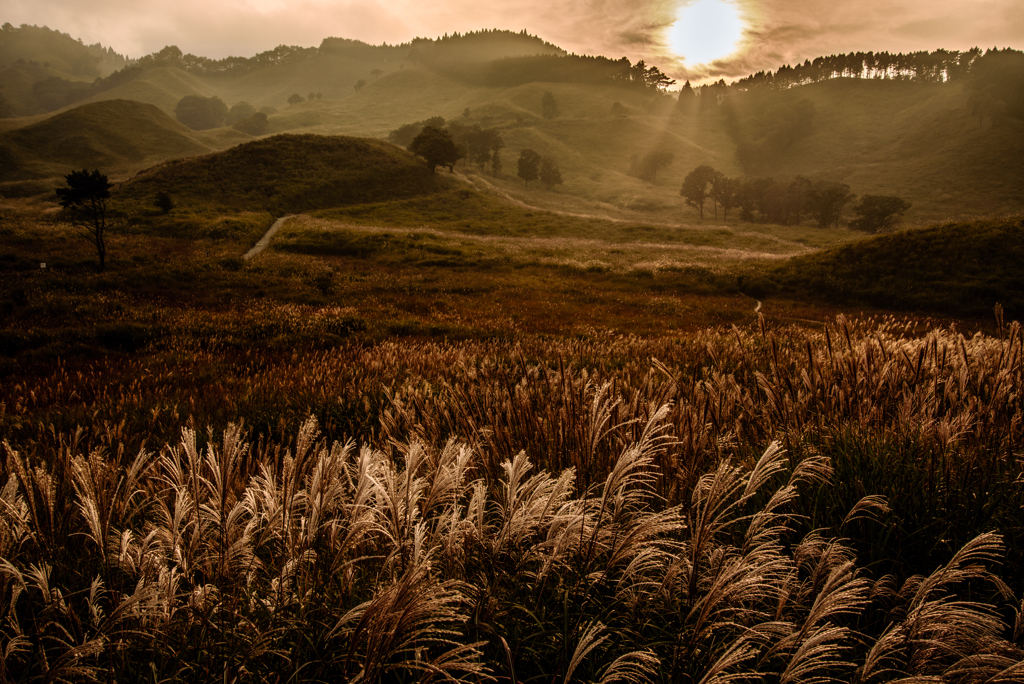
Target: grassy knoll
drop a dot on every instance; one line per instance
(288, 173)
(960, 269)
(112, 135)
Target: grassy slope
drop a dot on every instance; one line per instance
(400, 96)
(917, 141)
(115, 134)
(333, 76)
(161, 86)
(289, 173)
(961, 269)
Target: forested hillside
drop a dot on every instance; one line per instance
(42, 70)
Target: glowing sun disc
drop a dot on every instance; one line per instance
(705, 31)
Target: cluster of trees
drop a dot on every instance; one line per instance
(444, 144)
(436, 146)
(532, 166)
(481, 146)
(478, 46)
(932, 67)
(42, 46)
(513, 71)
(229, 66)
(995, 77)
(255, 124)
(295, 98)
(203, 113)
(771, 201)
(478, 145)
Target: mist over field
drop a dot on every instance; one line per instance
(488, 358)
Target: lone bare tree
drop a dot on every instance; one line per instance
(85, 204)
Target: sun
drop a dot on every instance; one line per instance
(705, 31)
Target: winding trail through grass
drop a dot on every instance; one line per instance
(265, 240)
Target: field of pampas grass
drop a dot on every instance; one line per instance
(768, 504)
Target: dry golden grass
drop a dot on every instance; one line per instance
(510, 507)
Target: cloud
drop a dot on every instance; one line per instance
(777, 31)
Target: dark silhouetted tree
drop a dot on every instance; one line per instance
(878, 213)
(201, 113)
(697, 186)
(550, 175)
(84, 202)
(529, 166)
(826, 200)
(687, 97)
(360, 84)
(548, 106)
(295, 98)
(436, 146)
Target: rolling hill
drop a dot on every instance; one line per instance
(288, 174)
(959, 269)
(119, 134)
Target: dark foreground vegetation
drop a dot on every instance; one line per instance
(841, 504)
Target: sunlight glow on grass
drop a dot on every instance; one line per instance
(705, 31)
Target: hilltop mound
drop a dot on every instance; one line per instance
(114, 133)
(960, 269)
(290, 173)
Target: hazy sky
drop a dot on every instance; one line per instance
(762, 34)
